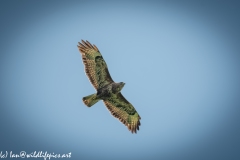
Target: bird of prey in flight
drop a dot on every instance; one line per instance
(107, 90)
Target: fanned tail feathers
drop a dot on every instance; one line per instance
(90, 100)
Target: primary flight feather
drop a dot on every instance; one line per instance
(107, 90)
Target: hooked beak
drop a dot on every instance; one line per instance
(122, 84)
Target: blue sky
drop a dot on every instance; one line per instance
(179, 60)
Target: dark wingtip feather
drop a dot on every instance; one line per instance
(85, 45)
(95, 47)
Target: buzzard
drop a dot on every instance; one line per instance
(107, 90)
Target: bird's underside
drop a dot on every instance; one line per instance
(107, 90)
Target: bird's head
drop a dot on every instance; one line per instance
(118, 87)
(121, 85)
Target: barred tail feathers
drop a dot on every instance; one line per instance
(90, 100)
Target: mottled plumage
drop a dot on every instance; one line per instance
(107, 90)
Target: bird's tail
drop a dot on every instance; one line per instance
(90, 100)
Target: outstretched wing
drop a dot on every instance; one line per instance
(95, 66)
(123, 110)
